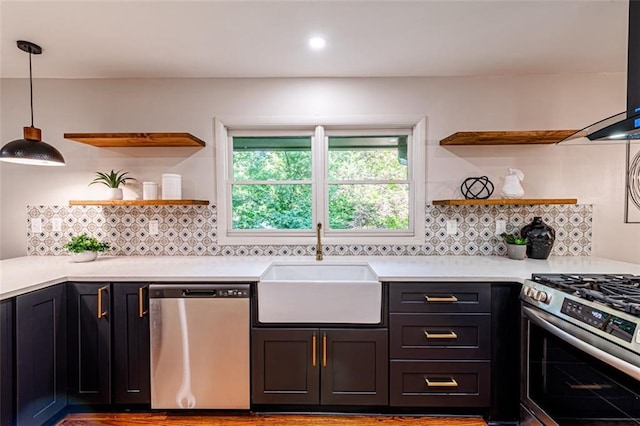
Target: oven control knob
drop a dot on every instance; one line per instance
(533, 293)
(543, 297)
(527, 291)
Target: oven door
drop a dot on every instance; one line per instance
(572, 377)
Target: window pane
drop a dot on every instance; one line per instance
(368, 158)
(363, 206)
(271, 206)
(271, 158)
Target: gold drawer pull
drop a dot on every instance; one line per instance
(324, 349)
(141, 311)
(449, 299)
(101, 313)
(594, 386)
(314, 350)
(449, 335)
(438, 383)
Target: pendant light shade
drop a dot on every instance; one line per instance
(31, 150)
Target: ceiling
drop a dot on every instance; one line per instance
(268, 38)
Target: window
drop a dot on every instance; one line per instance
(362, 183)
(368, 182)
(271, 183)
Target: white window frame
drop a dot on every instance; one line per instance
(321, 128)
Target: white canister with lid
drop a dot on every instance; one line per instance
(171, 186)
(149, 190)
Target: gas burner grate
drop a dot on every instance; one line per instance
(620, 291)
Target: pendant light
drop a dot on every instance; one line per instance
(31, 150)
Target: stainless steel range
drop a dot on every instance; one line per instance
(580, 349)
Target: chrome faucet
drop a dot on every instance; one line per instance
(319, 243)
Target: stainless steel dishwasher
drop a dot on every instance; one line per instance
(199, 346)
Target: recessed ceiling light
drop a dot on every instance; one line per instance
(317, 42)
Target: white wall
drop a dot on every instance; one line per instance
(593, 174)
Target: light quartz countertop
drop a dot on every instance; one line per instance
(24, 274)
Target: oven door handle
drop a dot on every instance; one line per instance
(538, 319)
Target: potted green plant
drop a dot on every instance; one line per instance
(516, 245)
(84, 248)
(112, 180)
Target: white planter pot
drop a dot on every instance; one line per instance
(84, 256)
(516, 251)
(114, 193)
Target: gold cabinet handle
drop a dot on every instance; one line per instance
(449, 335)
(594, 386)
(439, 383)
(141, 311)
(324, 349)
(438, 299)
(101, 313)
(314, 350)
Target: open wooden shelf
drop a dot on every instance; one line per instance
(505, 201)
(105, 140)
(138, 203)
(507, 138)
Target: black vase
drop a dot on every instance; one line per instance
(541, 237)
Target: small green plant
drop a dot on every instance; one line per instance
(83, 242)
(112, 179)
(514, 239)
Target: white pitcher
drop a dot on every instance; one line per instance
(512, 187)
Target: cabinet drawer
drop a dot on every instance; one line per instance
(428, 336)
(440, 384)
(440, 297)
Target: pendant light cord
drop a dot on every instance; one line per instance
(31, 89)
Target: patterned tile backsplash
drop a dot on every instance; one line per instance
(192, 231)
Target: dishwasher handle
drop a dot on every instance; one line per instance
(204, 291)
(189, 292)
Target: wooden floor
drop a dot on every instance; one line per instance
(157, 419)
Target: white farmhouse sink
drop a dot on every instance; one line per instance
(338, 293)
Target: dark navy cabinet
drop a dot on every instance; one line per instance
(7, 362)
(131, 367)
(312, 366)
(90, 317)
(108, 344)
(41, 355)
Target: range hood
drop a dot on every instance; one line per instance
(626, 125)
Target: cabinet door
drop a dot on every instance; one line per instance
(131, 368)
(285, 366)
(89, 343)
(41, 355)
(354, 366)
(7, 367)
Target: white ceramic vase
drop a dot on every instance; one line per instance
(512, 187)
(84, 256)
(114, 193)
(516, 251)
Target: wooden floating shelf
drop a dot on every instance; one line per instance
(138, 203)
(507, 138)
(505, 201)
(105, 140)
